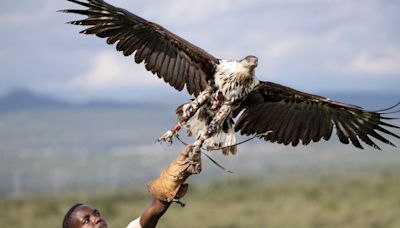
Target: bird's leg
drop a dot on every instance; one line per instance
(215, 124)
(219, 118)
(167, 136)
(192, 107)
(188, 111)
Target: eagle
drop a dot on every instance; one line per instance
(228, 90)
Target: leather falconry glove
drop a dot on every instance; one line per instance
(171, 184)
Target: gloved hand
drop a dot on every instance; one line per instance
(171, 182)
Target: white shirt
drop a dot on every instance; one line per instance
(135, 224)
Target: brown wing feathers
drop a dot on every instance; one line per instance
(168, 56)
(293, 116)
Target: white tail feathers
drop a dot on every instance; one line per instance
(197, 125)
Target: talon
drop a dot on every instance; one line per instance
(194, 160)
(167, 136)
(187, 114)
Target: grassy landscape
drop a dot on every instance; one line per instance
(341, 201)
(52, 159)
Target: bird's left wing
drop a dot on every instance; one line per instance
(291, 116)
(169, 56)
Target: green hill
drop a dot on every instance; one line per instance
(341, 201)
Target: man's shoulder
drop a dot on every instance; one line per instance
(135, 224)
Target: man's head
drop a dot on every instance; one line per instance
(83, 216)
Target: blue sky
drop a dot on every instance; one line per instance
(317, 46)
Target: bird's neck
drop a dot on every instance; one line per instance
(234, 80)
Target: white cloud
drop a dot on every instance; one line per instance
(41, 11)
(375, 62)
(369, 63)
(182, 12)
(11, 19)
(109, 71)
(296, 41)
(286, 47)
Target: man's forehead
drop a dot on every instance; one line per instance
(82, 211)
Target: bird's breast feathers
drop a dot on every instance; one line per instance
(234, 80)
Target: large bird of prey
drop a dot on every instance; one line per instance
(225, 89)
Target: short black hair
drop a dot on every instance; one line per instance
(67, 217)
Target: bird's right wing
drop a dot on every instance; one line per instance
(169, 56)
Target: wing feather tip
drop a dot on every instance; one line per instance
(378, 148)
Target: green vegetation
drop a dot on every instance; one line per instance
(66, 153)
(361, 201)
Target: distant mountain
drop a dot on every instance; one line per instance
(117, 104)
(20, 99)
(25, 99)
(368, 101)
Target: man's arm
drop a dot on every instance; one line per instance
(170, 185)
(153, 213)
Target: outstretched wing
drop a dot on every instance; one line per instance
(292, 116)
(169, 56)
